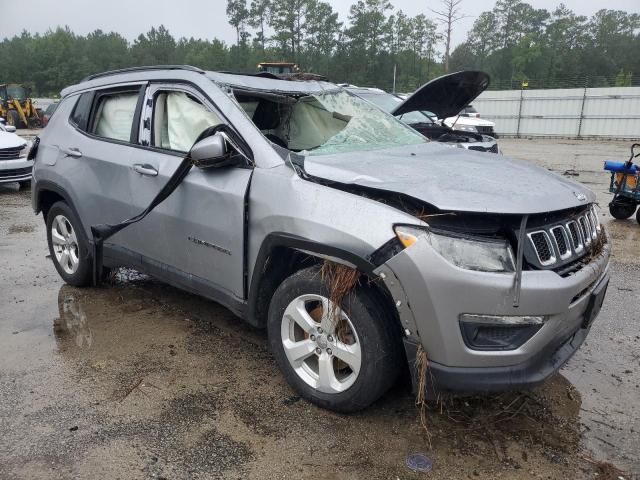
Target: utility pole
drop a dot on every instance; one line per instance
(395, 67)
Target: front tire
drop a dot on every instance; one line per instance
(25, 184)
(68, 245)
(344, 364)
(13, 119)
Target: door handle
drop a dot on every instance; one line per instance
(145, 169)
(71, 152)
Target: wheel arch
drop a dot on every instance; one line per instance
(46, 193)
(282, 254)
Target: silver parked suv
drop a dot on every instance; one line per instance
(493, 267)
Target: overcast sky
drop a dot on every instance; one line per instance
(207, 18)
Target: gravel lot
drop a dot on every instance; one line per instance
(138, 380)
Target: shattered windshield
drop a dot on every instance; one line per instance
(335, 121)
(344, 123)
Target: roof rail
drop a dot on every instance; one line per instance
(143, 69)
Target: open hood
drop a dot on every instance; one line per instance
(446, 96)
(454, 179)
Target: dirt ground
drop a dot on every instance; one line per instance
(138, 380)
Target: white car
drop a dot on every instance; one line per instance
(439, 98)
(468, 120)
(14, 164)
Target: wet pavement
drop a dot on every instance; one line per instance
(136, 379)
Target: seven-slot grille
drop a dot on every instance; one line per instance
(565, 242)
(11, 153)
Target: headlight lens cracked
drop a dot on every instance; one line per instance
(484, 255)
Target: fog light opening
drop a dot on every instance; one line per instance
(498, 332)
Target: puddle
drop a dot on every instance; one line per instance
(72, 323)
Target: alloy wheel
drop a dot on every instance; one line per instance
(65, 244)
(321, 343)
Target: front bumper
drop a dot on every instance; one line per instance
(16, 170)
(528, 374)
(431, 294)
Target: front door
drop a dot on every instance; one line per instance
(197, 233)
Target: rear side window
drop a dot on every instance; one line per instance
(80, 115)
(114, 114)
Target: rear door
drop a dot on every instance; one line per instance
(197, 234)
(98, 157)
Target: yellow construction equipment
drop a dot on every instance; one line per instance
(16, 106)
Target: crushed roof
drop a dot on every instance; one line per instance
(247, 82)
(258, 83)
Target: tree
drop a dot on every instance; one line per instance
(506, 15)
(209, 55)
(399, 32)
(482, 37)
(288, 20)
(565, 38)
(259, 18)
(238, 18)
(322, 29)
(513, 41)
(424, 38)
(156, 47)
(105, 51)
(448, 15)
(368, 30)
(623, 79)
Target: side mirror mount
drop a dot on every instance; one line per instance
(212, 152)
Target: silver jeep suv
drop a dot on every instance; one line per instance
(243, 188)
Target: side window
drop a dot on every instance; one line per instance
(80, 114)
(178, 120)
(114, 114)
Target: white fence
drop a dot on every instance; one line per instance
(572, 112)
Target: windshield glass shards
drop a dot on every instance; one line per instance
(326, 123)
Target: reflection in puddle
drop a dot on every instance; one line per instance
(72, 323)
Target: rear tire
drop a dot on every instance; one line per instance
(638, 216)
(25, 184)
(367, 339)
(622, 211)
(68, 246)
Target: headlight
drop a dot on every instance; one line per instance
(24, 152)
(465, 128)
(485, 255)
